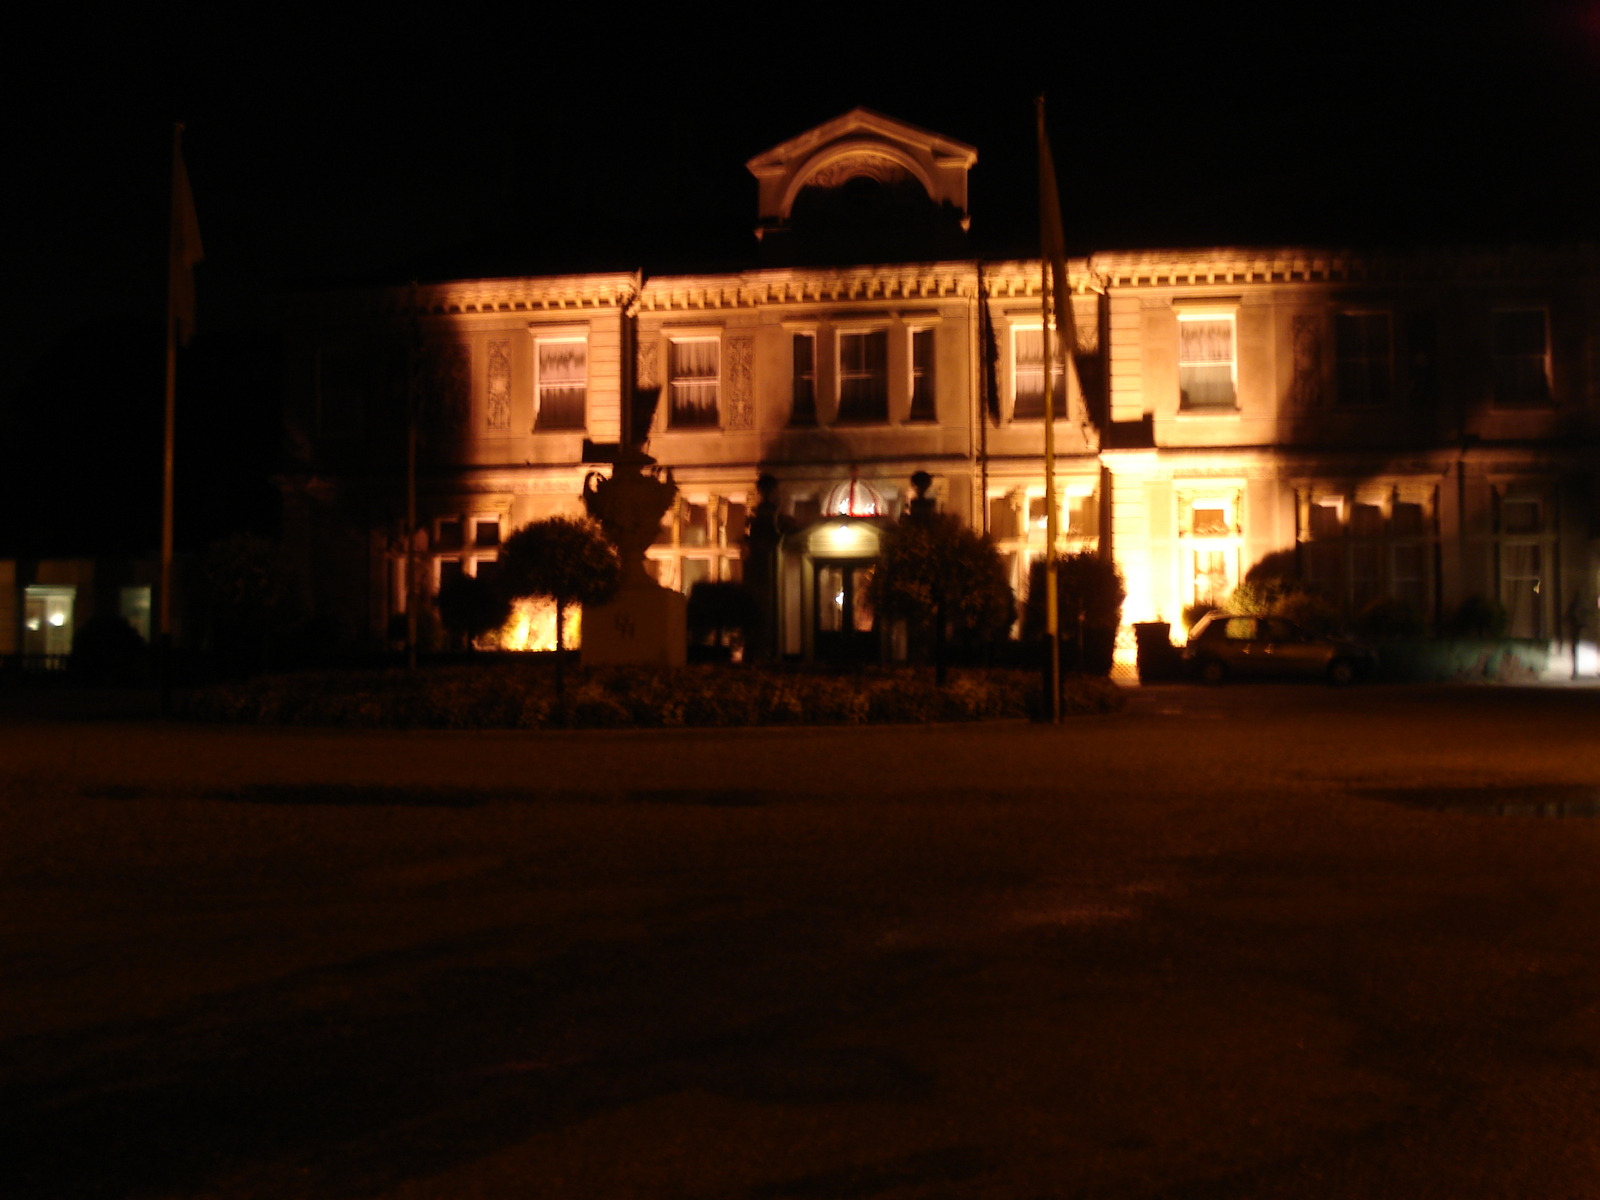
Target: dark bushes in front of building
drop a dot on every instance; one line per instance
(523, 696)
(1089, 596)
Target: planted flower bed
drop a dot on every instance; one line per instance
(522, 696)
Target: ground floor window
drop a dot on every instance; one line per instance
(47, 621)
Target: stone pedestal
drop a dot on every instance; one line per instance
(643, 624)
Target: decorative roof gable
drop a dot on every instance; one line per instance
(861, 143)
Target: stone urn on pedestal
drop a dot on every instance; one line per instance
(644, 622)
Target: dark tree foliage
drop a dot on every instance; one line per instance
(719, 608)
(1089, 596)
(941, 577)
(1088, 588)
(564, 558)
(253, 600)
(470, 607)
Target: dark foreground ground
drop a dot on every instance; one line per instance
(1219, 945)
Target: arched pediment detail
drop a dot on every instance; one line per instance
(856, 159)
(862, 144)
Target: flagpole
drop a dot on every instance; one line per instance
(1052, 617)
(170, 420)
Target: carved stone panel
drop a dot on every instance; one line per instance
(1307, 387)
(647, 371)
(740, 390)
(497, 412)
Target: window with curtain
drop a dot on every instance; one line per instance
(803, 404)
(563, 385)
(1362, 358)
(1206, 368)
(923, 407)
(1027, 377)
(694, 370)
(1521, 357)
(864, 376)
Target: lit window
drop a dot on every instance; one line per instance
(694, 384)
(1207, 374)
(1362, 353)
(563, 384)
(1027, 376)
(1211, 520)
(864, 376)
(803, 408)
(1521, 357)
(923, 407)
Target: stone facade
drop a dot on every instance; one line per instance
(1413, 427)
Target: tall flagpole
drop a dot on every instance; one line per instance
(1052, 617)
(174, 267)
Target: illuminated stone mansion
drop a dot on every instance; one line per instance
(1415, 426)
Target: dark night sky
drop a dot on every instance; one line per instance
(364, 148)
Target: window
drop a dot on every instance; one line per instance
(1207, 374)
(701, 537)
(1521, 357)
(864, 376)
(448, 533)
(1027, 376)
(694, 384)
(133, 603)
(563, 384)
(486, 531)
(1362, 357)
(47, 621)
(923, 406)
(1527, 548)
(1211, 520)
(803, 399)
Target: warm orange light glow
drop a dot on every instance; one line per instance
(533, 626)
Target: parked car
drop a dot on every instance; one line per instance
(1226, 646)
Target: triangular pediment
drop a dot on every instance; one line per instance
(862, 143)
(873, 125)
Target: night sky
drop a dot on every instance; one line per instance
(370, 149)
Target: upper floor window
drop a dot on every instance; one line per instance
(1521, 357)
(695, 383)
(864, 375)
(1027, 376)
(1362, 357)
(923, 404)
(803, 401)
(562, 383)
(1207, 369)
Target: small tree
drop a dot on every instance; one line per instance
(566, 559)
(937, 574)
(470, 607)
(253, 599)
(1089, 596)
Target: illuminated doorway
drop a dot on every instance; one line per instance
(846, 621)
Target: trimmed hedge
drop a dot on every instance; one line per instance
(522, 696)
(1463, 660)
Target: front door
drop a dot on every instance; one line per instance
(846, 624)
